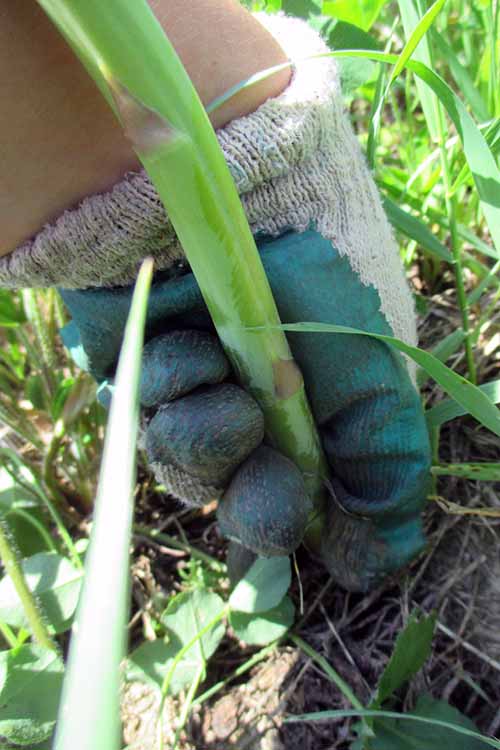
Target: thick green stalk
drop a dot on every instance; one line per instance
(139, 73)
(13, 569)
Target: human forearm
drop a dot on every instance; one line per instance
(60, 142)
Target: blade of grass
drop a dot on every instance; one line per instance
(473, 399)
(482, 163)
(416, 230)
(492, 137)
(328, 715)
(411, 12)
(484, 472)
(452, 211)
(442, 351)
(16, 467)
(448, 409)
(89, 710)
(436, 216)
(415, 37)
(328, 670)
(464, 82)
(490, 279)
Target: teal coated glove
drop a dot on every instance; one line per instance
(204, 433)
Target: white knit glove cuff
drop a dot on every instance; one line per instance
(296, 164)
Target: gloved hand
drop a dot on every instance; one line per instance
(330, 257)
(205, 434)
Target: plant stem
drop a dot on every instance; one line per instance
(328, 670)
(119, 41)
(171, 541)
(8, 634)
(13, 569)
(451, 207)
(255, 659)
(188, 703)
(36, 488)
(183, 651)
(175, 663)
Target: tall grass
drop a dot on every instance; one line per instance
(435, 157)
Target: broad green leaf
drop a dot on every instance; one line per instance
(485, 472)
(470, 397)
(151, 661)
(415, 229)
(20, 508)
(29, 531)
(259, 630)
(454, 731)
(56, 584)
(362, 13)
(30, 685)
(186, 615)
(394, 734)
(263, 586)
(416, 36)
(448, 409)
(411, 651)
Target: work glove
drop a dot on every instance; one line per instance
(204, 434)
(330, 257)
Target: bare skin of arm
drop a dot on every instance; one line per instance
(59, 141)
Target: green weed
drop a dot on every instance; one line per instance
(427, 111)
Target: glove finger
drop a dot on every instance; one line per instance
(206, 434)
(266, 507)
(177, 362)
(359, 552)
